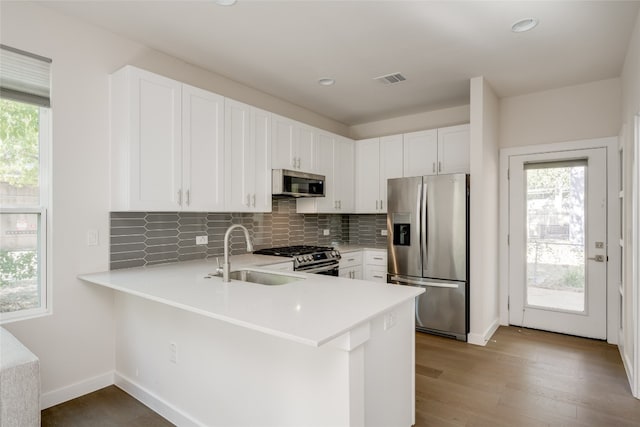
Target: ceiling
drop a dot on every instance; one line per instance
(284, 47)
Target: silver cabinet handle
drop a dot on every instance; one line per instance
(248, 204)
(439, 166)
(188, 197)
(377, 277)
(299, 162)
(377, 257)
(180, 197)
(381, 205)
(434, 167)
(339, 204)
(254, 200)
(376, 205)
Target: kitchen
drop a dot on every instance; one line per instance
(81, 132)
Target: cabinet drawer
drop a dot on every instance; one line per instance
(376, 258)
(375, 274)
(350, 259)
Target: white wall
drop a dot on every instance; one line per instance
(483, 275)
(630, 339)
(411, 123)
(76, 343)
(572, 113)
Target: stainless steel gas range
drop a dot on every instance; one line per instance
(308, 259)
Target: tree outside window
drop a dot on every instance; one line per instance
(21, 207)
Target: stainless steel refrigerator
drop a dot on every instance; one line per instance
(428, 242)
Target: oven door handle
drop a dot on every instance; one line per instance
(326, 267)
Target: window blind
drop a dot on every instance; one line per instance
(24, 77)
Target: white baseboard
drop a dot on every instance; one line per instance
(156, 403)
(63, 394)
(628, 367)
(483, 339)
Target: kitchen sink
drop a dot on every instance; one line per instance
(262, 277)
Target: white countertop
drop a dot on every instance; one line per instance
(311, 311)
(353, 248)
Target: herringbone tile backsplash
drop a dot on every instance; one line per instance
(147, 238)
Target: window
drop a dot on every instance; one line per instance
(24, 184)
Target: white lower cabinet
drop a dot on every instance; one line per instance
(351, 265)
(375, 266)
(248, 158)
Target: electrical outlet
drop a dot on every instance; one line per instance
(202, 240)
(173, 352)
(389, 321)
(326, 232)
(384, 233)
(92, 237)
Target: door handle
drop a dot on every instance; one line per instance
(597, 258)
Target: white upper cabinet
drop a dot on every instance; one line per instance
(294, 145)
(203, 156)
(377, 159)
(437, 151)
(166, 138)
(390, 164)
(248, 158)
(453, 149)
(420, 151)
(344, 175)
(335, 160)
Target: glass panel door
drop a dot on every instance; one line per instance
(555, 235)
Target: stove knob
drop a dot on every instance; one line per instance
(308, 257)
(300, 259)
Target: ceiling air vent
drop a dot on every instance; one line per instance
(391, 78)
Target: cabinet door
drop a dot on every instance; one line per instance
(453, 149)
(305, 150)
(390, 165)
(248, 158)
(261, 136)
(420, 151)
(239, 156)
(155, 167)
(285, 136)
(344, 176)
(324, 166)
(368, 175)
(203, 150)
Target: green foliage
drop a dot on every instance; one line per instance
(573, 277)
(16, 266)
(19, 143)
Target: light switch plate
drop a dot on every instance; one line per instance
(384, 233)
(202, 240)
(325, 232)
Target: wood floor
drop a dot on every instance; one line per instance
(521, 378)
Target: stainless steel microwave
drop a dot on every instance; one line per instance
(288, 183)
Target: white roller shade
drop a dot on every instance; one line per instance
(24, 77)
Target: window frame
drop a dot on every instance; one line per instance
(44, 235)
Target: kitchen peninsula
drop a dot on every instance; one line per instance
(318, 351)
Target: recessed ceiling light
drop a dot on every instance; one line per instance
(326, 81)
(225, 2)
(524, 25)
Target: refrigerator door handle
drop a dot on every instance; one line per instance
(423, 283)
(424, 229)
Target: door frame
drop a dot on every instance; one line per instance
(613, 265)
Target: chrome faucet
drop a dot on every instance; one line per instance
(226, 267)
